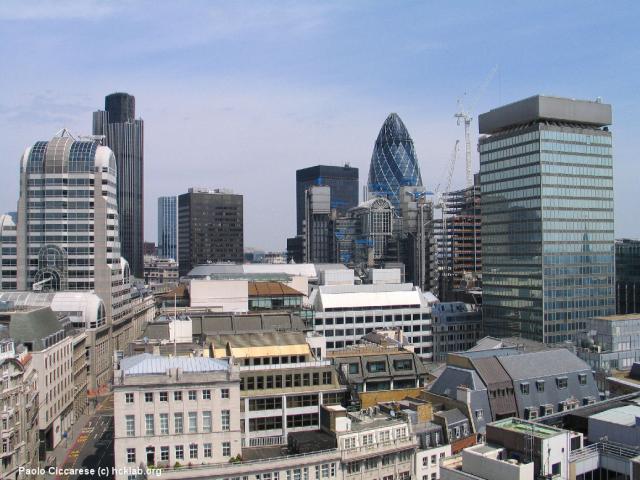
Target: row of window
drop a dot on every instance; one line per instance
(286, 381)
(192, 395)
(179, 452)
(372, 318)
(206, 425)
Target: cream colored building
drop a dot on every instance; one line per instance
(175, 412)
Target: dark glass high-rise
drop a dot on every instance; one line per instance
(124, 134)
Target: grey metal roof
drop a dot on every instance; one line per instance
(147, 364)
(452, 416)
(542, 364)
(32, 326)
(452, 377)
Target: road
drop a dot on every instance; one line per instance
(94, 446)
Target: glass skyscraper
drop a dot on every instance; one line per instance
(394, 163)
(168, 227)
(547, 217)
(124, 134)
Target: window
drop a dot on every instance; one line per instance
(434, 459)
(226, 449)
(179, 452)
(207, 450)
(130, 422)
(148, 424)
(349, 443)
(367, 439)
(193, 394)
(164, 424)
(326, 378)
(379, 366)
(131, 455)
(540, 385)
(524, 388)
(164, 396)
(148, 397)
(404, 364)
(177, 396)
(206, 422)
(561, 382)
(193, 450)
(582, 378)
(193, 422)
(224, 393)
(128, 398)
(178, 423)
(479, 414)
(354, 368)
(226, 420)
(164, 454)
(206, 394)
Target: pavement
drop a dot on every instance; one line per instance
(91, 439)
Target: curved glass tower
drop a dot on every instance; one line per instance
(394, 163)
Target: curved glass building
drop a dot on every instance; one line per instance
(394, 163)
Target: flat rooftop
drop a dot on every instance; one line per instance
(529, 428)
(619, 318)
(624, 416)
(542, 107)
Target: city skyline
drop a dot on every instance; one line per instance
(318, 99)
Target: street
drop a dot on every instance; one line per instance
(94, 446)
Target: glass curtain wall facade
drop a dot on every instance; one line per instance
(124, 134)
(343, 182)
(394, 163)
(168, 227)
(627, 276)
(547, 225)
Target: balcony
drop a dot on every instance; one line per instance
(377, 449)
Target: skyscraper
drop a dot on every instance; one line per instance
(394, 163)
(343, 182)
(124, 134)
(67, 232)
(168, 227)
(210, 228)
(547, 217)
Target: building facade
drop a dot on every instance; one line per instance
(627, 276)
(342, 182)
(547, 217)
(457, 326)
(172, 412)
(394, 163)
(168, 227)
(210, 228)
(124, 134)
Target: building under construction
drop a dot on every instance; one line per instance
(460, 240)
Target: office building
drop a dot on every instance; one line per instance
(547, 217)
(124, 134)
(342, 182)
(457, 326)
(8, 253)
(160, 271)
(168, 227)
(627, 276)
(394, 163)
(345, 313)
(172, 412)
(318, 226)
(210, 228)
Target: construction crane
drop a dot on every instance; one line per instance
(465, 116)
(452, 165)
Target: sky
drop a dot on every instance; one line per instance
(240, 94)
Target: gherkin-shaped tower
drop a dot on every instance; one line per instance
(394, 163)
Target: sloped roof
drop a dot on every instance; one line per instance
(542, 364)
(271, 289)
(148, 364)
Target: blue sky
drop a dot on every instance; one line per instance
(241, 94)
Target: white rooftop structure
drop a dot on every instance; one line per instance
(308, 270)
(148, 364)
(625, 416)
(399, 295)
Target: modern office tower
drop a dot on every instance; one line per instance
(124, 134)
(8, 253)
(210, 228)
(394, 163)
(343, 182)
(67, 232)
(627, 276)
(547, 217)
(168, 227)
(318, 227)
